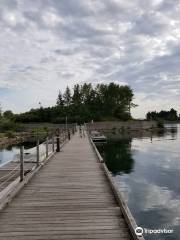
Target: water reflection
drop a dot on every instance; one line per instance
(118, 156)
(7, 152)
(146, 167)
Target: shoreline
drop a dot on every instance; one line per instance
(5, 141)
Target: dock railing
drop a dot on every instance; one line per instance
(53, 144)
(20, 173)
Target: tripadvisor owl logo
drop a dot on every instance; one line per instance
(139, 231)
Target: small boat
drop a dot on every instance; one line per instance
(97, 137)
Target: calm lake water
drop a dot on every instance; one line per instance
(146, 169)
(7, 153)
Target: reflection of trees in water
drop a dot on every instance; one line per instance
(161, 133)
(26, 145)
(118, 156)
(117, 152)
(9, 148)
(173, 132)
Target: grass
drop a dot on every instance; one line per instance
(2, 135)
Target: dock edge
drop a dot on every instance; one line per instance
(129, 219)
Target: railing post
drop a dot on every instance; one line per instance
(69, 134)
(58, 144)
(53, 143)
(76, 128)
(57, 140)
(46, 147)
(37, 153)
(21, 163)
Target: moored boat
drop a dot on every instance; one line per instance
(98, 137)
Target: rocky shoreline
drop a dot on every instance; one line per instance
(5, 141)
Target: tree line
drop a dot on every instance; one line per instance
(171, 115)
(82, 104)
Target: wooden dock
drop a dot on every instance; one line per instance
(68, 198)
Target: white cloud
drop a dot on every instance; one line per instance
(48, 44)
(51, 18)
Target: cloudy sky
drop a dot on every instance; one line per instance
(47, 44)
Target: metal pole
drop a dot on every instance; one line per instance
(21, 163)
(76, 127)
(69, 135)
(37, 152)
(58, 144)
(57, 140)
(53, 143)
(46, 147)
(66, 124)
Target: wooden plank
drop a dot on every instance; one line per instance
(69, 198)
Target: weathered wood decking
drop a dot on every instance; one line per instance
(69, 198)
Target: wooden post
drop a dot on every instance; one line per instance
(46, 147)
(53, 143)
(58, 144)
(21, 163)
(69, 134)
(37, 153)
(76, 128)
(57, 140)
(66, 124)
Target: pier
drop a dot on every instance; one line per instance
(70, 197)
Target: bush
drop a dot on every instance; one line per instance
(6, 125)
(160, 124)
(9, 125)
(10, 134)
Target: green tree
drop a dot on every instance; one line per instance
(67, 97)
(87, 93)
(0, 110)
(60, 101)
(8, 114)
(173, 114)
(102, 102)
(77, 96)
(163, 115)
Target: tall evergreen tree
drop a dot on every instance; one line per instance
(103, 102)
(67, 97)
(77, 96)
(163, 115)
(87, 93)
(60, 101)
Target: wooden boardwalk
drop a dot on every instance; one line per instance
(69, 198)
